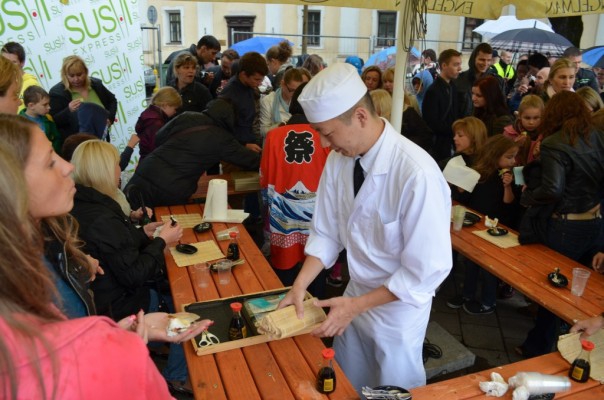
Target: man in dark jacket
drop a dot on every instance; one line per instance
(479, 66)
(222, 72)
(583, 77)
(241, 92)
(185, 148)
(205, 52)
(440, 106)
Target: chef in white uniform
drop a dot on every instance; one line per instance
(395, 231)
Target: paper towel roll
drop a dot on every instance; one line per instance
(217, 201)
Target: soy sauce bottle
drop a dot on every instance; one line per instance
(326, 382)
(233, 249)
(237, 329)
(581, 367)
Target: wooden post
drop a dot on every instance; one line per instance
(304, 29)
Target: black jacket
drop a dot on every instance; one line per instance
(440, 107)
(76, 276)
(415, 129)
(129, 258)
(67, 122)
(195, 97)
(571, 176)
(185, 148)
(464, 83)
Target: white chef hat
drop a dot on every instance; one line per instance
(332, 92)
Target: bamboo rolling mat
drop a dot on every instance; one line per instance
(206, 251)
(184, 220)
(505, 241)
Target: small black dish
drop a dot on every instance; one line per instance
(186, 248)
(470, 219)
(203, 227)
(497, 232)
(557, 279)
(544, 396)
(398, 391)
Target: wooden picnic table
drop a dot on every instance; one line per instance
(525, 267)
(204, 181)
(283, 369)
(466, 387)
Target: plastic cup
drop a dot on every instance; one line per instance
(202, 274)
(580, 277)
(224, 271)
(459, 214)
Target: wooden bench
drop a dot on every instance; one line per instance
(284, 369)
(466, 387)
(526, 267)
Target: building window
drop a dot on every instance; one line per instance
(175, 24)
(386, 28)
(238, 26)
(470, 38)
(314, 28)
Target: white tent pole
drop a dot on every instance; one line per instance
(400, 69)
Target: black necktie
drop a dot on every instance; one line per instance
(358, 176)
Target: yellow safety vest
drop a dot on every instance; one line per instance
(507, 74)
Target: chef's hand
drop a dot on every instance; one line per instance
(295, 297)
(342, 311)
(588, 326)
(157, 328)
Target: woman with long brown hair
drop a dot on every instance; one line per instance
(489, 105)
(43, 355)
(45, 278)
(572, 172)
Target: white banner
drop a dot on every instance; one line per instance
(105, 33)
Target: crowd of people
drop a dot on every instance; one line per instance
(340, 186)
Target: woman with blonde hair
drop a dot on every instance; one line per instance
(470, 134)
(80, 103)
(414, 127)
(372, 77)
(10, 87)
(592, 99)
(128, 255)
(164, 104)
(36, 195)
(133, 261)
(382, 102)
(388, 80)
(561, 78)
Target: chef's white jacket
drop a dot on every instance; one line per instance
(396, 233)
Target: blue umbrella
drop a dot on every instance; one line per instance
(260, 44)
(387, 58)
(594, 56)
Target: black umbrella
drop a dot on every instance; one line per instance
(531, 39)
